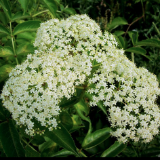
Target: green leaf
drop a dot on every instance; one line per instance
(19, 15)
(114, 150)
(26, 26)
(138, 50)
(62, 137)
(3, 18)
(150, 152)
(134, 36)
(24, 49)
(121, 42)
(149, 42)
(117, 22)
(6, 51)
(4, 30)
(96, 138)
(49, 143)
(52, 6)
(4, 71)
(66, 120)
(10, 140)
(118, 33)
(83, 110)
(31, 152)
(26, 35)
(6, 8)
(24, 4)
(70, 11)
(61, 153)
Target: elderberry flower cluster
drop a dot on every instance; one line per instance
(68, 54)
(129, 94)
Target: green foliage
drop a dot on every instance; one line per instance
(83, 131)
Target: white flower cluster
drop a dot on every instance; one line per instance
(62, 61)
(70, 53)
(129, 94)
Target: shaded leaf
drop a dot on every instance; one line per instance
(138, 50)
(149, 42)
(134, 36)
(31, 152)
(10, 140)
(5, 70)
(4, 30)
(96, 137)
(118, 33)
(151, 152)
(20, 15)
(62, 137)
(3, 18)
(121, 42)
(66, 120)
(26, 26)
(6, 8)
(49, 143)
(114, 150)
(99, 104)
(24, 4)
(6, 51)
(61, 153)
(117, 22)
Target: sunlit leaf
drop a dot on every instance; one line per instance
(114, 150)
(96, 137)
(26, 26)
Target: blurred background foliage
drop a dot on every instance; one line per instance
(136, 25)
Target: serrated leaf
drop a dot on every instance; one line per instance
(24, 49)
(138, 50)
(62, 137)
(52, 6)
(70, 11)
(4, 71)
(6, 8)
(96, 137)
(24, 4)
(66, 120)
(149, 42)
(117, 22)
(26, 26)
(4, 30)
(6, 51)
(10, 140)
(19, 15)
(114, 150)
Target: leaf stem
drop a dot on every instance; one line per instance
(40, 13)
(13, 44)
